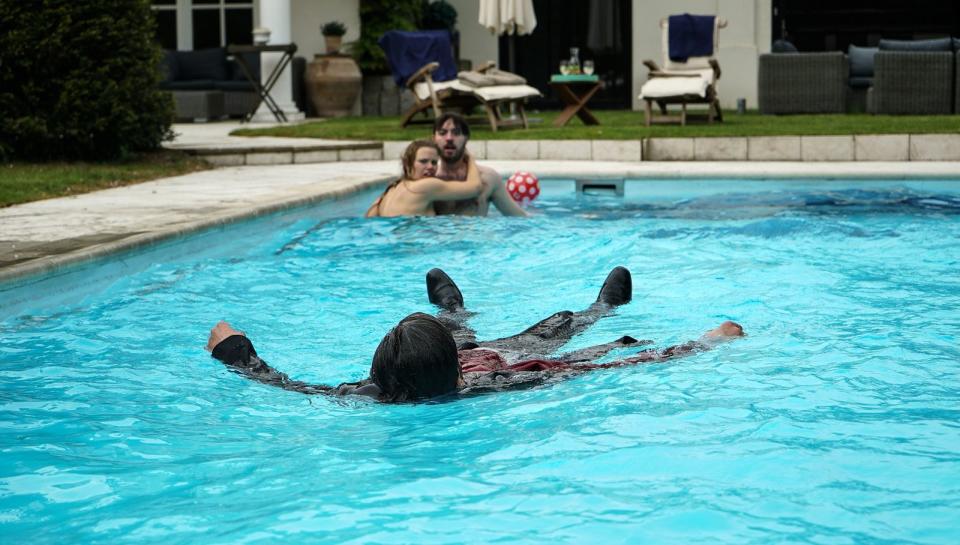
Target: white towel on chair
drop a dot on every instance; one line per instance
(493, 92)
(674, 86)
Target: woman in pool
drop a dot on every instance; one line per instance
(416, 191)
(419, 359)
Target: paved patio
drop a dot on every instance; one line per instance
(47, 235)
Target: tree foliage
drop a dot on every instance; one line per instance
(79, 79)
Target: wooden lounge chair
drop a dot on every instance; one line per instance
(423, 62)
(690, 82)
(432, 96)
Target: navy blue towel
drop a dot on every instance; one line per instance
(690, 36)
(407, 52)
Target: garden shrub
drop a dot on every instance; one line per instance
(79, 80)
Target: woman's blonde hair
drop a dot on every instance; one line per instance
(409, 156)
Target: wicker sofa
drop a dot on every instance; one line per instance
(898, 77)
(207, 85)
(794, 83)
(914, 77)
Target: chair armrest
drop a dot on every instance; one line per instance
(422, 73)
(716, 67)
(483, 67)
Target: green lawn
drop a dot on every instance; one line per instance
(25, 182)
(626, 125)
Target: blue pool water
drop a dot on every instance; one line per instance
(835, 421)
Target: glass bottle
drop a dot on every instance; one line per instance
(574, 60)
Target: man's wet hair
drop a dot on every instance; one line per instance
(458, 121)
(417, 359)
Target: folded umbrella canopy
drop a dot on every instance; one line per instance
(508, 16)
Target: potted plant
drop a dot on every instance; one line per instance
(333, 80)
(333, 35)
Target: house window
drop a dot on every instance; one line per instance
(166, 15)
(221, 22)
(199, 24)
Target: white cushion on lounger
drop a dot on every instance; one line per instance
(493, 92)
(674, 87)
(705, 73)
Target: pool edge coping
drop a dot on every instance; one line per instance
(638, 170)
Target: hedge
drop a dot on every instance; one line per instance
(78, 80)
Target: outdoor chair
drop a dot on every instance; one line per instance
(913, 77)
(803, 83)
(689, 81)
(423, 63)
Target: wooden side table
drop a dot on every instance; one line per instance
(575, 91)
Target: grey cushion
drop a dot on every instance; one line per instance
(861, 61)
(189, 85)
(783, 46)
(210, 64)
(168, 66)
(939, 44)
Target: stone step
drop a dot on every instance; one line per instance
(231, 156)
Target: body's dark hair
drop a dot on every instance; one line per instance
(417, 359)
(458, 121)
(406, 160)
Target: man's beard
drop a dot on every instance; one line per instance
(455, 158)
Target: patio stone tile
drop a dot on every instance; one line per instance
(565, 150)
(720, 149)
(935, 147)
(230, 160)
(478, 149)
(773, 148)
(882, 147)
(617, 150)
(393, 150)
(270, 158)
(512, 149)
(361, 154)
(826, 148)
(669, 149)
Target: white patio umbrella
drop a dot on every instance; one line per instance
(511, 17)
(508, 16)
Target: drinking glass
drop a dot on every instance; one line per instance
(564, 67)
(588, 68)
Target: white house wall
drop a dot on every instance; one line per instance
(476, 43)
(745, 37)
(748, 25)
(306, 17)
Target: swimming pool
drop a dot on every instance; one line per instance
(834, 421)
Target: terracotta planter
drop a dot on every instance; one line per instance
(334, 83)
(333, 43)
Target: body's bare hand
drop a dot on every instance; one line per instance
(219, 333)
(725, 330)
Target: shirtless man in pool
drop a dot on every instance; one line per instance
(451, 133)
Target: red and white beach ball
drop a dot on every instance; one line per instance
(523, 187)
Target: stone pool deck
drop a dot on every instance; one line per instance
(45, 236)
